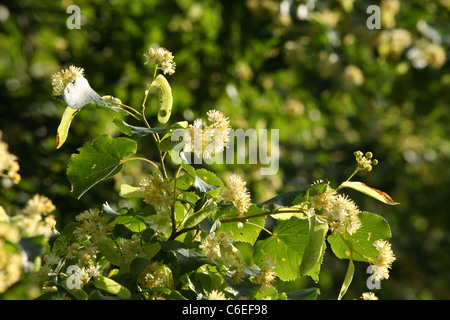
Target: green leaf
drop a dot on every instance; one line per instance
(373, 227)
(285, 247)
(111, 286)
(184, 182)
(311, 191)
(176, 126)
(78, 294)
(305, 294)
(348, 279)
(107, 247)
(208, 182)
(131, 130)
(98, 161)
(372, 192)
(206, 210)
(132, 223)
(205, 282)
(208, 225)
(63, 128)
(189, 259)
(127, 191)
(138, 265)
(315, 246)
(250, 230)
(296, 197)
(244, 289)
(188, 168)
(121, 231)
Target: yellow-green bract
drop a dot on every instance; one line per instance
(165, 98)
(63, 128)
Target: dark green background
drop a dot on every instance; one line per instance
(263, 70)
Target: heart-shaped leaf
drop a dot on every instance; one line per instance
(373, 227)
(98, 161)
(286, 247)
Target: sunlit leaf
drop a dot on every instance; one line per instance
(249, 230)
(111, 286)
(165, 98)
(127, 191)
(206, 181)
(285, 247)
(315, 245)
(63, 128)
(98, 161)
(207, 209)
(373, 227)
(372, 192)
(348, 279)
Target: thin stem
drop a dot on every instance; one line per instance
(129, 113)
(262, 214)
(177, 233)
(139, 158)
(240, 219)
(262, 228)
(155, 135)
(354, 172)
(135, 114)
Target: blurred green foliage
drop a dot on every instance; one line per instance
(312, 69)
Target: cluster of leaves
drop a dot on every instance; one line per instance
(164, 256)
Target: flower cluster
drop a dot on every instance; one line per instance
(354, 75)
(425, 53)
(342, 212)
(130, 249)
(155, 274)
(162, 58)
(394, 42)
(390, 9)
(64, 77)
(83, 248)
(267, 275)
(204, 139)
(10, 260)
(93, 226)
(368, 296)
(35, 218)
(157, 193)
(365, 162)
(218, 248)
(9, 167)
(344, 215)
(383, 261)
(216, 295)
(237, 193)
(33, 221)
